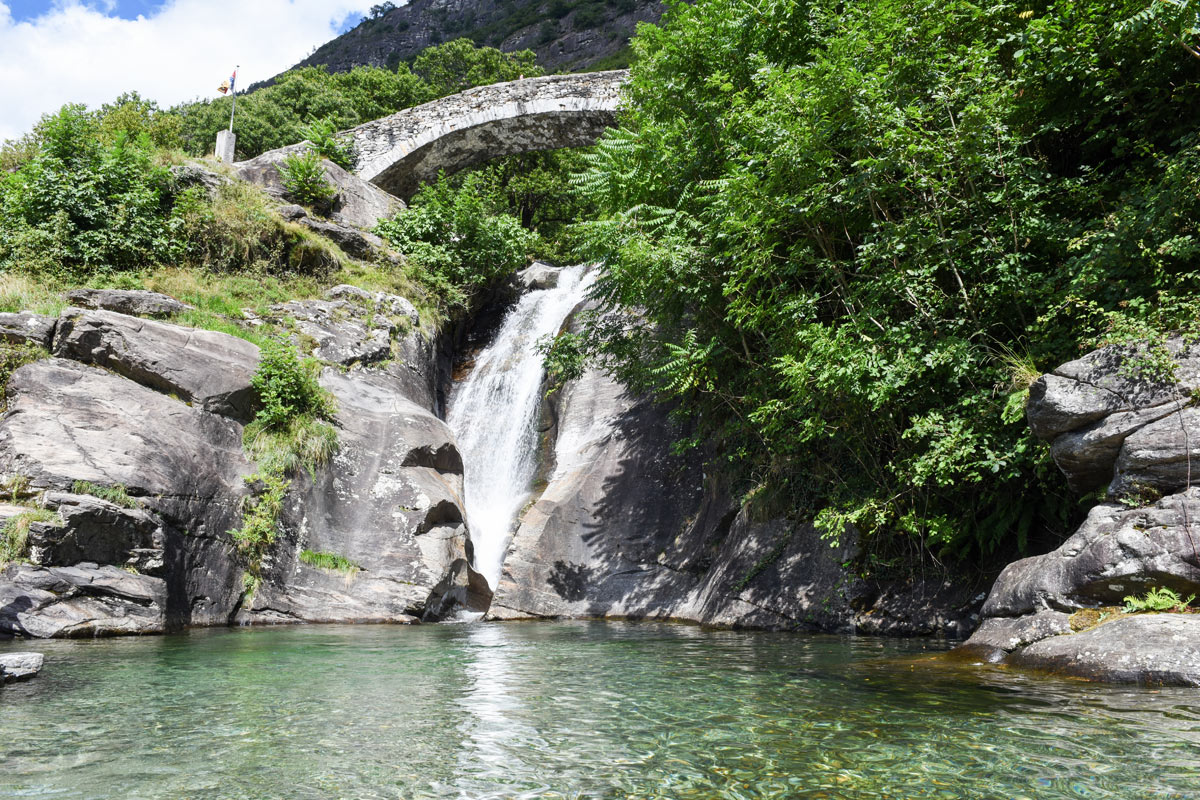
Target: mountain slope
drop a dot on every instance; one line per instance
(567, 35)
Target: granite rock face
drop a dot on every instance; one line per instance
(27, 328)
(1109, 425)
(158, 431)
(207, 369)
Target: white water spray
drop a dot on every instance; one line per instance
(494, 416)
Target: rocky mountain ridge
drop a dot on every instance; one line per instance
(566, 35)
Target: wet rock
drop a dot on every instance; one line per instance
(27, 328)
(1148, 649)
(539, 275)
(135, 302)
(81, 601)
(209, 369)
(1010, 633)
(462, 590)
(20, 666)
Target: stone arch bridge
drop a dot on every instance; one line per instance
(399, 152)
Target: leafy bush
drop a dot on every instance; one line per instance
(564, 358)
(323, 135)
(287, 386)
(459, 235)
(827, 223)
(1159, 599)
(305, 182)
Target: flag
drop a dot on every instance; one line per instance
(228, 85)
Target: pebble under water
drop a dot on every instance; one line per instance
(573, 710)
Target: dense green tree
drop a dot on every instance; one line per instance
(852, 233)
(459, 64)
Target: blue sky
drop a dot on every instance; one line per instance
(90, 51)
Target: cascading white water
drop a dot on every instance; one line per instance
(494, 416)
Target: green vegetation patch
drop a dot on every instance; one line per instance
(1158, 599)
(330, 561)
(116, 494)
(14, 535)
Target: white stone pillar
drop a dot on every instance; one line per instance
(225, 143)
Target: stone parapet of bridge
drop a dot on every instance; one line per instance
(399, 152)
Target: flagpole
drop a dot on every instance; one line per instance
(233, 91)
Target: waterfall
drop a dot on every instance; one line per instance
(494, 416)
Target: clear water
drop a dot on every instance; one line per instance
(572, 710)
(494, 416)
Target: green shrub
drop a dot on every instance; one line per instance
(323, 135)
(1157, 599)
(564, 358)
(288, 387)
(305, 182)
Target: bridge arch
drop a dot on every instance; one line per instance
(399, 152)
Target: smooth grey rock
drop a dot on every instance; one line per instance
(97, 530)
(1116, 552)
(340, 332)
(390, 502)
(462, 590)
(81, 601)
(1159, 456)
(292, 212)
(1148, 649)
(135, 302)
(1087, 455)
(27, 328)
(1010, 633)
(358, 203)
(210, 369)
(354, 242)
(539, 275)
(20, 666)
(70, 422)
(381, 302)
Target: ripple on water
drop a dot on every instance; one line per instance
(573, 710)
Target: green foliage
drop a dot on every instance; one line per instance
(828, 225)
(564, 358)
(117, 495)
(304, 180)
(459, 235)
(1157, 599)
(457, 65)
(82, 206)
(260, 516)
(14, 535)
(287, 387)
(330, 561)
(323, 135)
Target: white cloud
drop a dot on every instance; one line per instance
(75, 53)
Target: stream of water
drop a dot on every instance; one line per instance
(494, 414)
(579, 710)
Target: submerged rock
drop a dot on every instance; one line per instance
(20, 666)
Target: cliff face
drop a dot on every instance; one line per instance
(567, 35)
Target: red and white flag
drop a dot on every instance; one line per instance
(227, 86)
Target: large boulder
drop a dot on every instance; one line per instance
(27, 328)
(1114, 419)
(68, 422)
(390, 503)
(85, 600)
(93, 529)
(1148, 649)
(208, 369)
(135, 302)
(358, 203)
